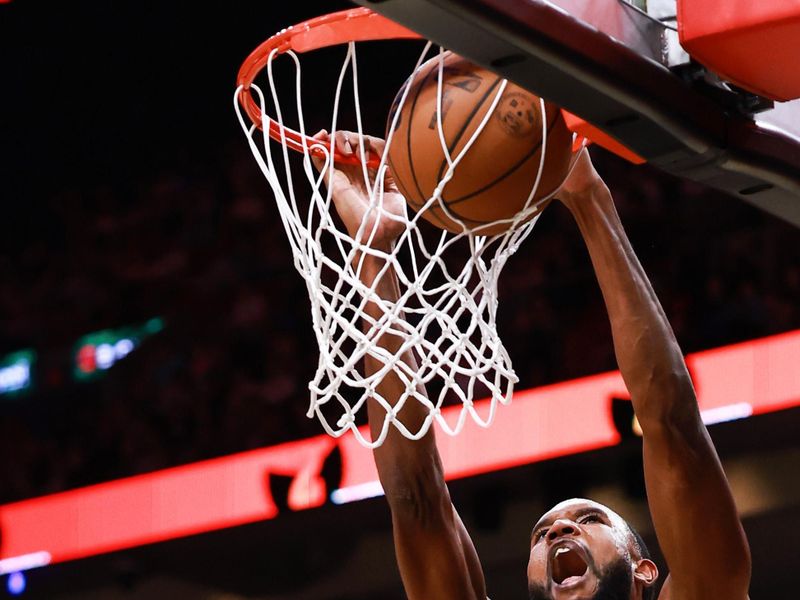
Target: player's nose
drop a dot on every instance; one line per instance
(562, 528)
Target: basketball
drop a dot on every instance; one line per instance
(494, 178)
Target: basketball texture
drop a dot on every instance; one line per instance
(496, 175)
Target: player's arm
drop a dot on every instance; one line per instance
(435, 554)
(693, 511)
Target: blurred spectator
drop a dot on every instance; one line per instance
(207, 251)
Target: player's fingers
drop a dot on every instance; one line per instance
(353, 141)
(322, 139)
(389, 183)
(344, 142)
(374, 144)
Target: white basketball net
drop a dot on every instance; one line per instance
(448, 282)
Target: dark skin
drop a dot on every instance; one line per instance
(691, 505)
(597, 534)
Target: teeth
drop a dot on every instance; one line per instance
(561, 551)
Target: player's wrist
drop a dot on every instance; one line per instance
(369, 266)
(592, 196)
(583, 185)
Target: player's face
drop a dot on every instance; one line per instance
(580, 550)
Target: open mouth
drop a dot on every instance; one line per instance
(567, 566)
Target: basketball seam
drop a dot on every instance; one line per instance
(507, 173)
(408, 136)
(464, 126)
(409, 122)
(405, 190)
(398, 131)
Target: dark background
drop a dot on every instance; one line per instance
(129, 192)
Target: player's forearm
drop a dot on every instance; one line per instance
(693, 510)
(648, 355)
(410, 470)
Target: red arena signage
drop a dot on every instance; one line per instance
(732, 382)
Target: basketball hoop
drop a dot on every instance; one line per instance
(446, 311)
(357, 24)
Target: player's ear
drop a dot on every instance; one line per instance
(645, 571)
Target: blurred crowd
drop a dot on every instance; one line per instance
(204, 249)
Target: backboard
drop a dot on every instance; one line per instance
(623, 70)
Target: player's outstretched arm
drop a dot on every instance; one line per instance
(693, 511)
(436, 557)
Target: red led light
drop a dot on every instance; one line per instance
(86, 359)
(760, 376)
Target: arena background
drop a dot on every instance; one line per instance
(131, 203)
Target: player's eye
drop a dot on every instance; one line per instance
(540, 534)
(591, 519)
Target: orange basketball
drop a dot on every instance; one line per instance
(496, 175)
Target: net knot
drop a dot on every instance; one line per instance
(346, 420)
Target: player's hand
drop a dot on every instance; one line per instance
(581, 183)
(351, 193)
